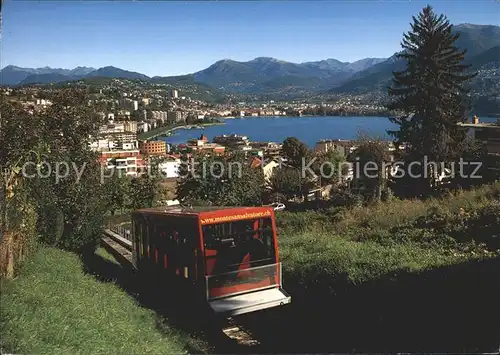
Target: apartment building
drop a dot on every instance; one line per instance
(488, 134)
(270, 149)
(212, 148)
(160, 115)
(153, 148)
(127, 162)
(102, 144)
(175, 116)
(116, 127)
(198, 141)
(130, 126)
(342, 147)
(232, 140)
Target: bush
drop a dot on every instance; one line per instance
(463, 220)
(346, 199)
(302, 221)
(388, 195)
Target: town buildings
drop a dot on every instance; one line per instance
(340, 146)
(486, 134)
(160, 116)
(232, 140)
(126, 162)
(157, 148)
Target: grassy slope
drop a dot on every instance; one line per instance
(398, 276)
(365, 243)
(388, 221)
(378, 278)
(54, 307)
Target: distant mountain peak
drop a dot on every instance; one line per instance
(14, 67)
(264, 59)
(109, 67)
(471, 25)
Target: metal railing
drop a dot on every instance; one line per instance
(123, 229)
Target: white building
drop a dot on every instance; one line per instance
(160, 115)
(175, 116)
(109, 144)
(117, 127)
(103, 144)
(124, 165)
(43, 102)
(175, 94)
(170, 169)
(268, 169)
(142, 126)
(129, 145)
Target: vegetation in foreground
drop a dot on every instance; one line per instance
(363, 243)
(406, 275)
(54, 307)
(460, 221)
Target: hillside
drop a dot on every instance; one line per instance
(13, 75)
(481, 42)
(278, 78)
(260, 75)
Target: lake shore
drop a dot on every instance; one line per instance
(309, 129)
(167, 130)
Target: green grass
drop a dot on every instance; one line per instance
(345, 247)
(54, 307)
(416, 276)
(451, 221)
(326, 261)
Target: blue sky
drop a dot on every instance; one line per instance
(173, 37)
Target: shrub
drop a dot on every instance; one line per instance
(346, 199)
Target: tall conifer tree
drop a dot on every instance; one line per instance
(432, 92)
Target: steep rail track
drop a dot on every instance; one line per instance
(229, 334)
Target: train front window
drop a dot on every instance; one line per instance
(240, 244)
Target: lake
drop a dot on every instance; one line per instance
(307, 129)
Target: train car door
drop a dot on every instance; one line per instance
(186, 237)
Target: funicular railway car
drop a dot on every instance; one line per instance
(226, 259)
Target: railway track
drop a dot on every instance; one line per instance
(229, 331)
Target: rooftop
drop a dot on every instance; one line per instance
(195, 210)
(480, 125)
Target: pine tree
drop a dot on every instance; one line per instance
(431, 93)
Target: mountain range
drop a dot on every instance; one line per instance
(269, 75)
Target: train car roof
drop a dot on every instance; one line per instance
(200, 210)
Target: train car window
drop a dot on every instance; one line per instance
(154, 238)
(164, 230)
(266, 235)
(143, 236)
(186, 232)
(231, 243)
(158, 242)
(145, 239)
(137, 246)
